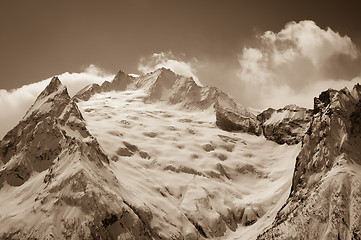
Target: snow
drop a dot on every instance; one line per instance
(181, 180)
(42, 105)
(279, 116)
(173, 174)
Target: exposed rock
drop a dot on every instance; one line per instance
(356, 92)
(325, 199)
(208, 147)
(87, 92)
(232, 121)
(265, 115)
(144, 155)
(124, 152)
(53, 117)
(285, 125)
(131, 147)
(119, 83)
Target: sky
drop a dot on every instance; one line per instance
(262, 53)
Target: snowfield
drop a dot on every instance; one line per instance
(187, 170)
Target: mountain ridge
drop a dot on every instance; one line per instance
(164, 85)
(99, 174)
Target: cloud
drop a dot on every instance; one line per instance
(295, 65)
(170, 61)
(16, 102)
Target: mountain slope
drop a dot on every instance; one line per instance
(198, 180)
(54, 183)
(325, 200)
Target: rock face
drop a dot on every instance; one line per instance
(285, 125)
(23, 149)
(325, 199)
(237, 119)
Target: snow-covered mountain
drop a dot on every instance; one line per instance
(325, 199)
(55, 183)
(165, 85)
(159, 157)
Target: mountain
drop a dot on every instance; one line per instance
(165, 85)
(325, 199)
(132, 163)
(161, 135)
(160, 157)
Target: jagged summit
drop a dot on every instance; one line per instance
(356, 92)
(51, 123)
(166, 86)
(49, 99)
(153, 83)
(53, 86)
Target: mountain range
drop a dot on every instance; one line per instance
(160, 157)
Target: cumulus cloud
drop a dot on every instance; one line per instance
(170, 61)
(296, 64)
(15, 103)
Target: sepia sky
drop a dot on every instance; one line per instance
(262, 53)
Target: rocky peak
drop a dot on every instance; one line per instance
(265, 115)
(119, 83)
(53, 98)
(331, 129)
(156, 81)
(356, 92)
(52, 124)
(88, 91)
(53, 86)
(165, 77)
(292, 107)
(323, 100)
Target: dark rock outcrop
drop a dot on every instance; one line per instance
(285, 125)
(229, 120)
